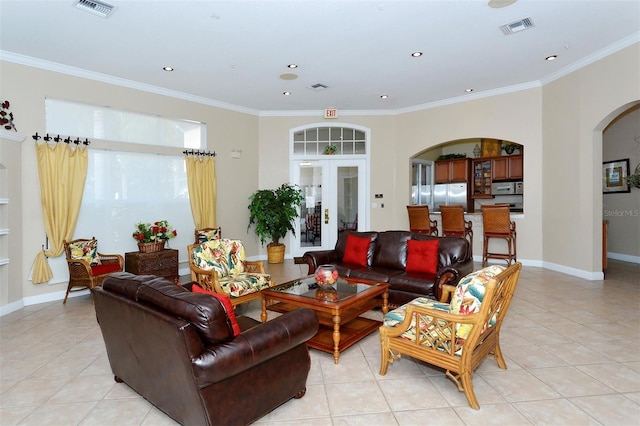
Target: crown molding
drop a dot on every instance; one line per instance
(78, 72)
(12, 136)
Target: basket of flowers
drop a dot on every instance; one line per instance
(151, 237)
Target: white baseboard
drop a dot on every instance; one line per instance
(11, 307)
(623, 257)
(585, 275)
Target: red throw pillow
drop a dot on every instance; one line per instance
(357, 250)
(226, 302)
(422, 256)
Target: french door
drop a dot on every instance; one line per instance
(334, 191)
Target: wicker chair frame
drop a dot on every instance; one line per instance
(80, 276)
(497, 223)
(453, 224)
(420, 222)
(437, 343)
(209, 280)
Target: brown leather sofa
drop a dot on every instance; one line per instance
(176, 349)
(387, 260)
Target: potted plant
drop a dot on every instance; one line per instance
(273, 212)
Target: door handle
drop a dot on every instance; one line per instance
(326, 216)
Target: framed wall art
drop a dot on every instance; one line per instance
(491, 147)
(614, 176)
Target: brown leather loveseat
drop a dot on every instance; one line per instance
(176, 349)
(387, 262)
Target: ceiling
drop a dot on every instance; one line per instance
(232, 53)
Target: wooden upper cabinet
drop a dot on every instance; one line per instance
(507, 167)
(452, 170)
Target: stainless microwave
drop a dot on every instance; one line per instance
(503, 188)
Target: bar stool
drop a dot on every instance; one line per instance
(497, 224)
(420, 222)
(453, 224)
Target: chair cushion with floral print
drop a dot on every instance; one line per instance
(468, 296)
(208, 234)
(226, 256)
(244, 283)
(85, 250)
(396, 316)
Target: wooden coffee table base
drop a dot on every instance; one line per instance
(336, 333)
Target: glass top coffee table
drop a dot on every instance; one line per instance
(338, 308)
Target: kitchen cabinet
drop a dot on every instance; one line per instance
(448, 171)
(507, 167)
(481, 182)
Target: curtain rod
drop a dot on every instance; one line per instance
(205, 153)
(57, 139)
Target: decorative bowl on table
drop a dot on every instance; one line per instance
(326, 276)
(328, 294)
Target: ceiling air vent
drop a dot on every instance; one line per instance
(96, 7)
(318, 87)
(517, 26)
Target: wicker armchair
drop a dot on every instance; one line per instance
(220, 266)
(87, 267)
(496, 220)
(419, 220)
(453, 224)
(456, 342)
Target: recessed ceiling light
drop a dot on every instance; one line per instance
(292, 66)
(288, 76)
(416, 54)
(496, 4)
(551, 58)
(167, 68)
(286, 93)
(384, 96)
(468, 90)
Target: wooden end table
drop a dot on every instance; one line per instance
(160, 263)
(338, 309)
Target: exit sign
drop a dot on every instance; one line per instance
(331, 113)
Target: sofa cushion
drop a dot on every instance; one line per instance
(226, 302)
(205, 313)
(341, 244)
(391, 250)
(422, 256)
(357, 250)
(468, 296)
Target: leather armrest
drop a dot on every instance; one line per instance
(316, 258)
(254, 346)
(450, 275)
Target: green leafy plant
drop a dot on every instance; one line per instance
(330, 149)
(273, 212)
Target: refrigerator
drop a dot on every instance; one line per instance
(449, 194)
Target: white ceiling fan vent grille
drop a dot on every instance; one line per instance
(96, 7)
(517, 26)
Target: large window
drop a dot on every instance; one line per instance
(99, 122)
(124, 188)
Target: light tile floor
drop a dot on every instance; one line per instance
(572, 348)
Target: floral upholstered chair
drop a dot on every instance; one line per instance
(220, 266)
(206, 234)
(455, 336)
(87, 267)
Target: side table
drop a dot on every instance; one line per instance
(160, 263)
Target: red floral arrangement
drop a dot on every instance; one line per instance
(154, 232)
